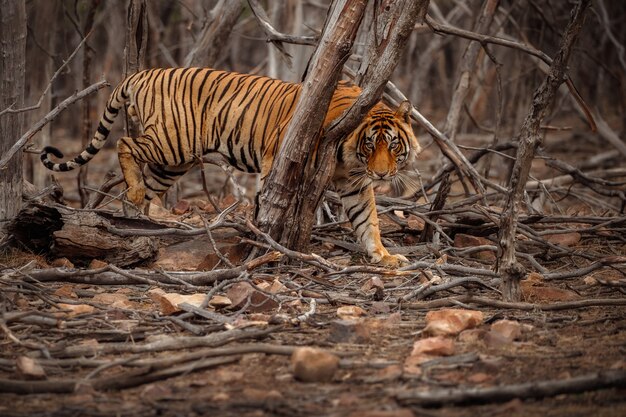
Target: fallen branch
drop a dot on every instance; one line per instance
(539, 389)
(488, 302)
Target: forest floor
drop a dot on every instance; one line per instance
(102, 340)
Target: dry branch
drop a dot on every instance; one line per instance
(540, 389)
(48, 118)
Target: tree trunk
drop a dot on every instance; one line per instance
(12, 62)
(529, 140)
(135, 47)
(277, 200)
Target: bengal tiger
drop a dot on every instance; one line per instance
(186, 113)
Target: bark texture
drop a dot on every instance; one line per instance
(278, 199)
(529, 139)
(12, 64)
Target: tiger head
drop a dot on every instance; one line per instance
(382, 145)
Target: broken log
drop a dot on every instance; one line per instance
(82, 235)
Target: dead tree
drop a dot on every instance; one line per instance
(294, 187)
(529, 139)
(12, 62)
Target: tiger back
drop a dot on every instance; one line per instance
(186, 113)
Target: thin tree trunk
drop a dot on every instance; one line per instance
(135, 47)
(12, 66)
(529, 139)
(86, 104)
(467, 66)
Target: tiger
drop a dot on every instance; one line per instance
(187, 113)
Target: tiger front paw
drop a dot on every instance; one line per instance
(390, 261)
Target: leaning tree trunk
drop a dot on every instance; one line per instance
(277, 200)
(12, 64)
(529, 140)
(295, 186)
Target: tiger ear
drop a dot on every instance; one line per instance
(404, 111)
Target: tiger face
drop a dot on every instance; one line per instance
(383, 144)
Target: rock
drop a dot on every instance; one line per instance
(62, 263)
(350, 312)
(472, 336)
(74, 309)
(115, 300)
(467, 241)
(97, 264)
(435, 346)
(66, 291)
(564, 239)
(314, 365)
(376, 287)
(241, 292)
(415, 223)
(451, 321)
(197, 254)
(386, 374)
(544, 293)
(220, 301)
(168, 302)
(181, 207)
(349, 331)
(234, 251)
(508, 329)
(379, 307)
(29, 368)
(256, 395)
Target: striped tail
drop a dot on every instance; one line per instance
(117, 100)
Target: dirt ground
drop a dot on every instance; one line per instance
(107, 349)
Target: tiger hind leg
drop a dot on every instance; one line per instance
(159, 178)
(131, 169)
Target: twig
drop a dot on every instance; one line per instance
(47, 89)
(48, 118)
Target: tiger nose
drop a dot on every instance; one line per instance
(377, 174)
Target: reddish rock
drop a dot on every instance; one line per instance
(564, 239)
(181, 207)
(314, 365)
(468, 241)
(241, 292)
(451, 321)
(435, 346)
(508, 329)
